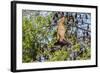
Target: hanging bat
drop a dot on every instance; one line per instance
(61, 29)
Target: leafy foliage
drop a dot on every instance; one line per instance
(39, 36)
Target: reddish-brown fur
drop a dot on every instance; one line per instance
(61, 29)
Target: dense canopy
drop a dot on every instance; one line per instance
(39, 30)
